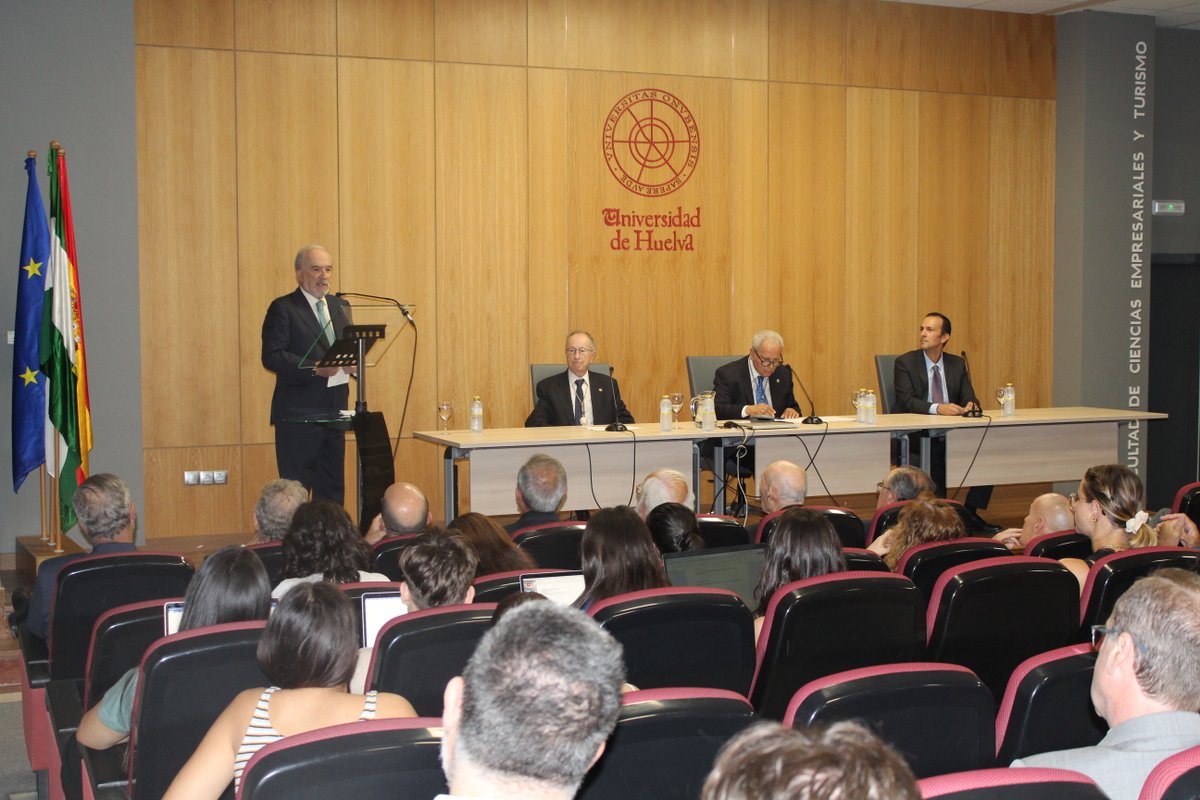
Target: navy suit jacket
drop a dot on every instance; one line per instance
(912, 382)
(288, 331)
(735, 389)
(556, 402)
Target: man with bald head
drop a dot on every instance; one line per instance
(296, 333)
(1048, 513)
(403, 509)
(664, 486)
(782, 484)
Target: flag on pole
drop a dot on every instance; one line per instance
(64, 362)
(29, 385)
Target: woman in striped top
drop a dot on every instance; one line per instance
(308, 652)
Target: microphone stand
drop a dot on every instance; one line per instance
(976, 412)
(811, 419)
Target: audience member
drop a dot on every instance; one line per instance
(782, 484)
(803, 545)
(1048, 513)
(1177, 529)
(403, 509)
(664, 486)
(674, 529)
(533, 708)
(842, 761)
(541, 489)
(1146, 685)
(323, 544)
(1109, 507)
(307, 652)
(903, 484)
(922, 521)
(617, 556)
(108, 521)
(511, 601)
(273, 512)
(492, 545)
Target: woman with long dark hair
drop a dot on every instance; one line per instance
(618, 556)
(674, 529)
(491, 544)
(803, 545)
(323, 544)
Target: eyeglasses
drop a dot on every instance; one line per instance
(767, 362)
(1098, 634)
(579, 351)
(879, 487)
(1078, 498)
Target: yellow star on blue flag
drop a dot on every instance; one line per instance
(29, 394)
(29, 376)
(33, 268)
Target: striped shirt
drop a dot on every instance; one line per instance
(261, 732)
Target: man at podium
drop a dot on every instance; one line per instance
(298, 330)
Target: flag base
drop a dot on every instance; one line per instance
(32, 551)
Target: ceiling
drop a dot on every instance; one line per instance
(1167, 13)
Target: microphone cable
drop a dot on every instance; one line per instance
(978, 447)
(632, 470)
(812, 460)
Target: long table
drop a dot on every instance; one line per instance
(842, 456)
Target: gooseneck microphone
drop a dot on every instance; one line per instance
(976, 411)
(403, 308)
(811, 419)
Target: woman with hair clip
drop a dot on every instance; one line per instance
(491, 544)
(231, 586)
(323, 544)
(674, 528)
(1109, 508)
(307, 651)
(617, 556)
(803, 545)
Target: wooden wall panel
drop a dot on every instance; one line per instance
(883, 44)
(550, 172)
(480, 31)
(808, 234)
(808, 41)
(882, 308)
(955, 46)
(754, 277)
(385, 28)
(184, 23)
(287, 168)
(287, 26)
(188, 226)
(1023, 55)
(173, 509)
(258, 467)
(482, 224)
(1020, 281)
(387, 247)
(953, 216)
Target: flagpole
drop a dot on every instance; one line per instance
(42, 485)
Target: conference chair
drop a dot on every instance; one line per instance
(702, 371)
(1175, 778)
(552, 545)
(186, 681)
(371, 758)
(384, 555)
(682, 636)
(498, 585)
(939, 717)
(925, 563)
(418, 653)
(1111, 575)
(721, 531)
(832, 623)
(539, 372)
(859, 559)
(271, 555)
(1059, 545)
(885, 373)
(991, 615)
(1020, 783)
(847, 524)
(1187, 501)
(1047, 705)
(665, 743)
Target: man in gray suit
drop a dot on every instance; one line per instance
(1146, 685)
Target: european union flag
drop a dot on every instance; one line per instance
(29, 384)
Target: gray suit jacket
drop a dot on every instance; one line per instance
(1124, 757)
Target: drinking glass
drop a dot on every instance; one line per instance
(445, 409)
(676, 404)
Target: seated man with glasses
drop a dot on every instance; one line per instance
(1146, 685)
(578, 396)
(755, 386)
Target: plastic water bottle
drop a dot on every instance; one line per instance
(666, 419)
(476, 415)
(868, 406)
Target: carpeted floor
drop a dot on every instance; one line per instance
(16, 778)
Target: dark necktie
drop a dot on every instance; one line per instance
(939, 394)
(760, 393)
(579, 401)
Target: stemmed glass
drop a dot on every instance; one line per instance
(445, 409)
(676, 404)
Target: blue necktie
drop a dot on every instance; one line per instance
(579, 401)
(760, 393)
(937, 393)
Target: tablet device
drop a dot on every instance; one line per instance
(378, 609)
(563, 588)
(736, 568)
(172, 615)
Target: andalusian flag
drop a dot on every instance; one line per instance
(69, 418)
(29, 385)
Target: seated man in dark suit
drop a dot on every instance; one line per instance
(755, 386)
(930, 381)
(578, 396)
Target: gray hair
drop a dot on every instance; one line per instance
(1162, 614)
(789, 481)
(908, 483)
(540, 695)
(591, 339)
(661, 487)
(764, 335)
(303, 251)
(103, 506)
(276, 504)
(543, 483)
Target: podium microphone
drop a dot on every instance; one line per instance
(976, 411)
(811, 419)
(403, 308)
